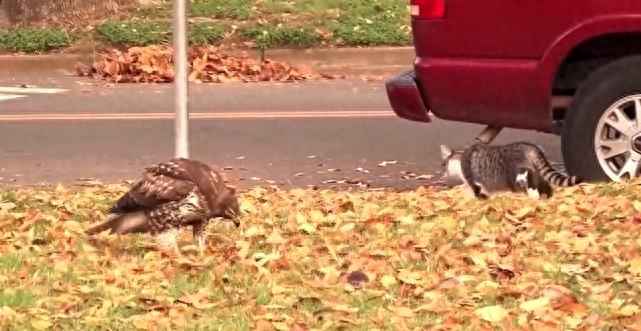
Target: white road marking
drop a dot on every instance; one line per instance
(37, 90)
(15, 92)
(4, 97)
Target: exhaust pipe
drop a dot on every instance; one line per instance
(489, 134)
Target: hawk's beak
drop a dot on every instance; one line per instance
(234, 218)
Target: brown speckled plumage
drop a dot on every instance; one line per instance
(171, 195)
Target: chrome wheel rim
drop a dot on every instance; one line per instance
(617, 139)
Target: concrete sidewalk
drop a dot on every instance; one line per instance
(348, 61)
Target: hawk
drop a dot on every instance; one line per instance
(171, 195)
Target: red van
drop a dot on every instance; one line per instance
(567, 67)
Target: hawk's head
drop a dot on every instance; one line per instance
(230, 207)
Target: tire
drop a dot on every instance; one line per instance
(595, 95)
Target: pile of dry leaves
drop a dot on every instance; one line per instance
(154, 64)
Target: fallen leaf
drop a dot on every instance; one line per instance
(403, 312)
(360, 169)
(629, 310)
(535, 304)
(492, 313)
(347, 227)
(635, 266)
(388, 281)
(385, 163)
(7, 206)
(41, 324)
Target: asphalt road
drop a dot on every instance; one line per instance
(291, 134)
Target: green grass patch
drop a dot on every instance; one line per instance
(363, 32)
(17, 299)
(135, 33)
(34, 40)
(222, 9)
(10, 263)
(364, 23)
(352, 23)
(144, 33)
(207, 33)
(219, 9)
(282, 36)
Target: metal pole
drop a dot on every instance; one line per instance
(181, 84)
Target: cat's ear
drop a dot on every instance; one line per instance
(445, 152)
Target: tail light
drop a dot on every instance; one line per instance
(427, 8)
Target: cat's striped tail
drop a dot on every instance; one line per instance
(551, 175)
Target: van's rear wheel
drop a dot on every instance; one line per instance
(601, 137)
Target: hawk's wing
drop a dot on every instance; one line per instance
(161, 183)
(178, 168)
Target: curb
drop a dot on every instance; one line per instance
(379, 60)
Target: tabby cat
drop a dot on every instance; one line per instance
(516, 167)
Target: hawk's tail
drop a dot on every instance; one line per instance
(122, 224)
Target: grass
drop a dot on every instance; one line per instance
(262, 24)
(35, 40)
(288, 36)
(144, 33)
(466, 263)
(222, 9)
(135, 33)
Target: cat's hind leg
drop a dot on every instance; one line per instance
(478, 191)
(544, 188)
(530, 182)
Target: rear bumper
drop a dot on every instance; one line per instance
(499, 92)
(405, 97)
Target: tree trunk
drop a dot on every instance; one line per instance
(57, 12)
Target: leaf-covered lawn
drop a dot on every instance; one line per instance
(326, 260)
